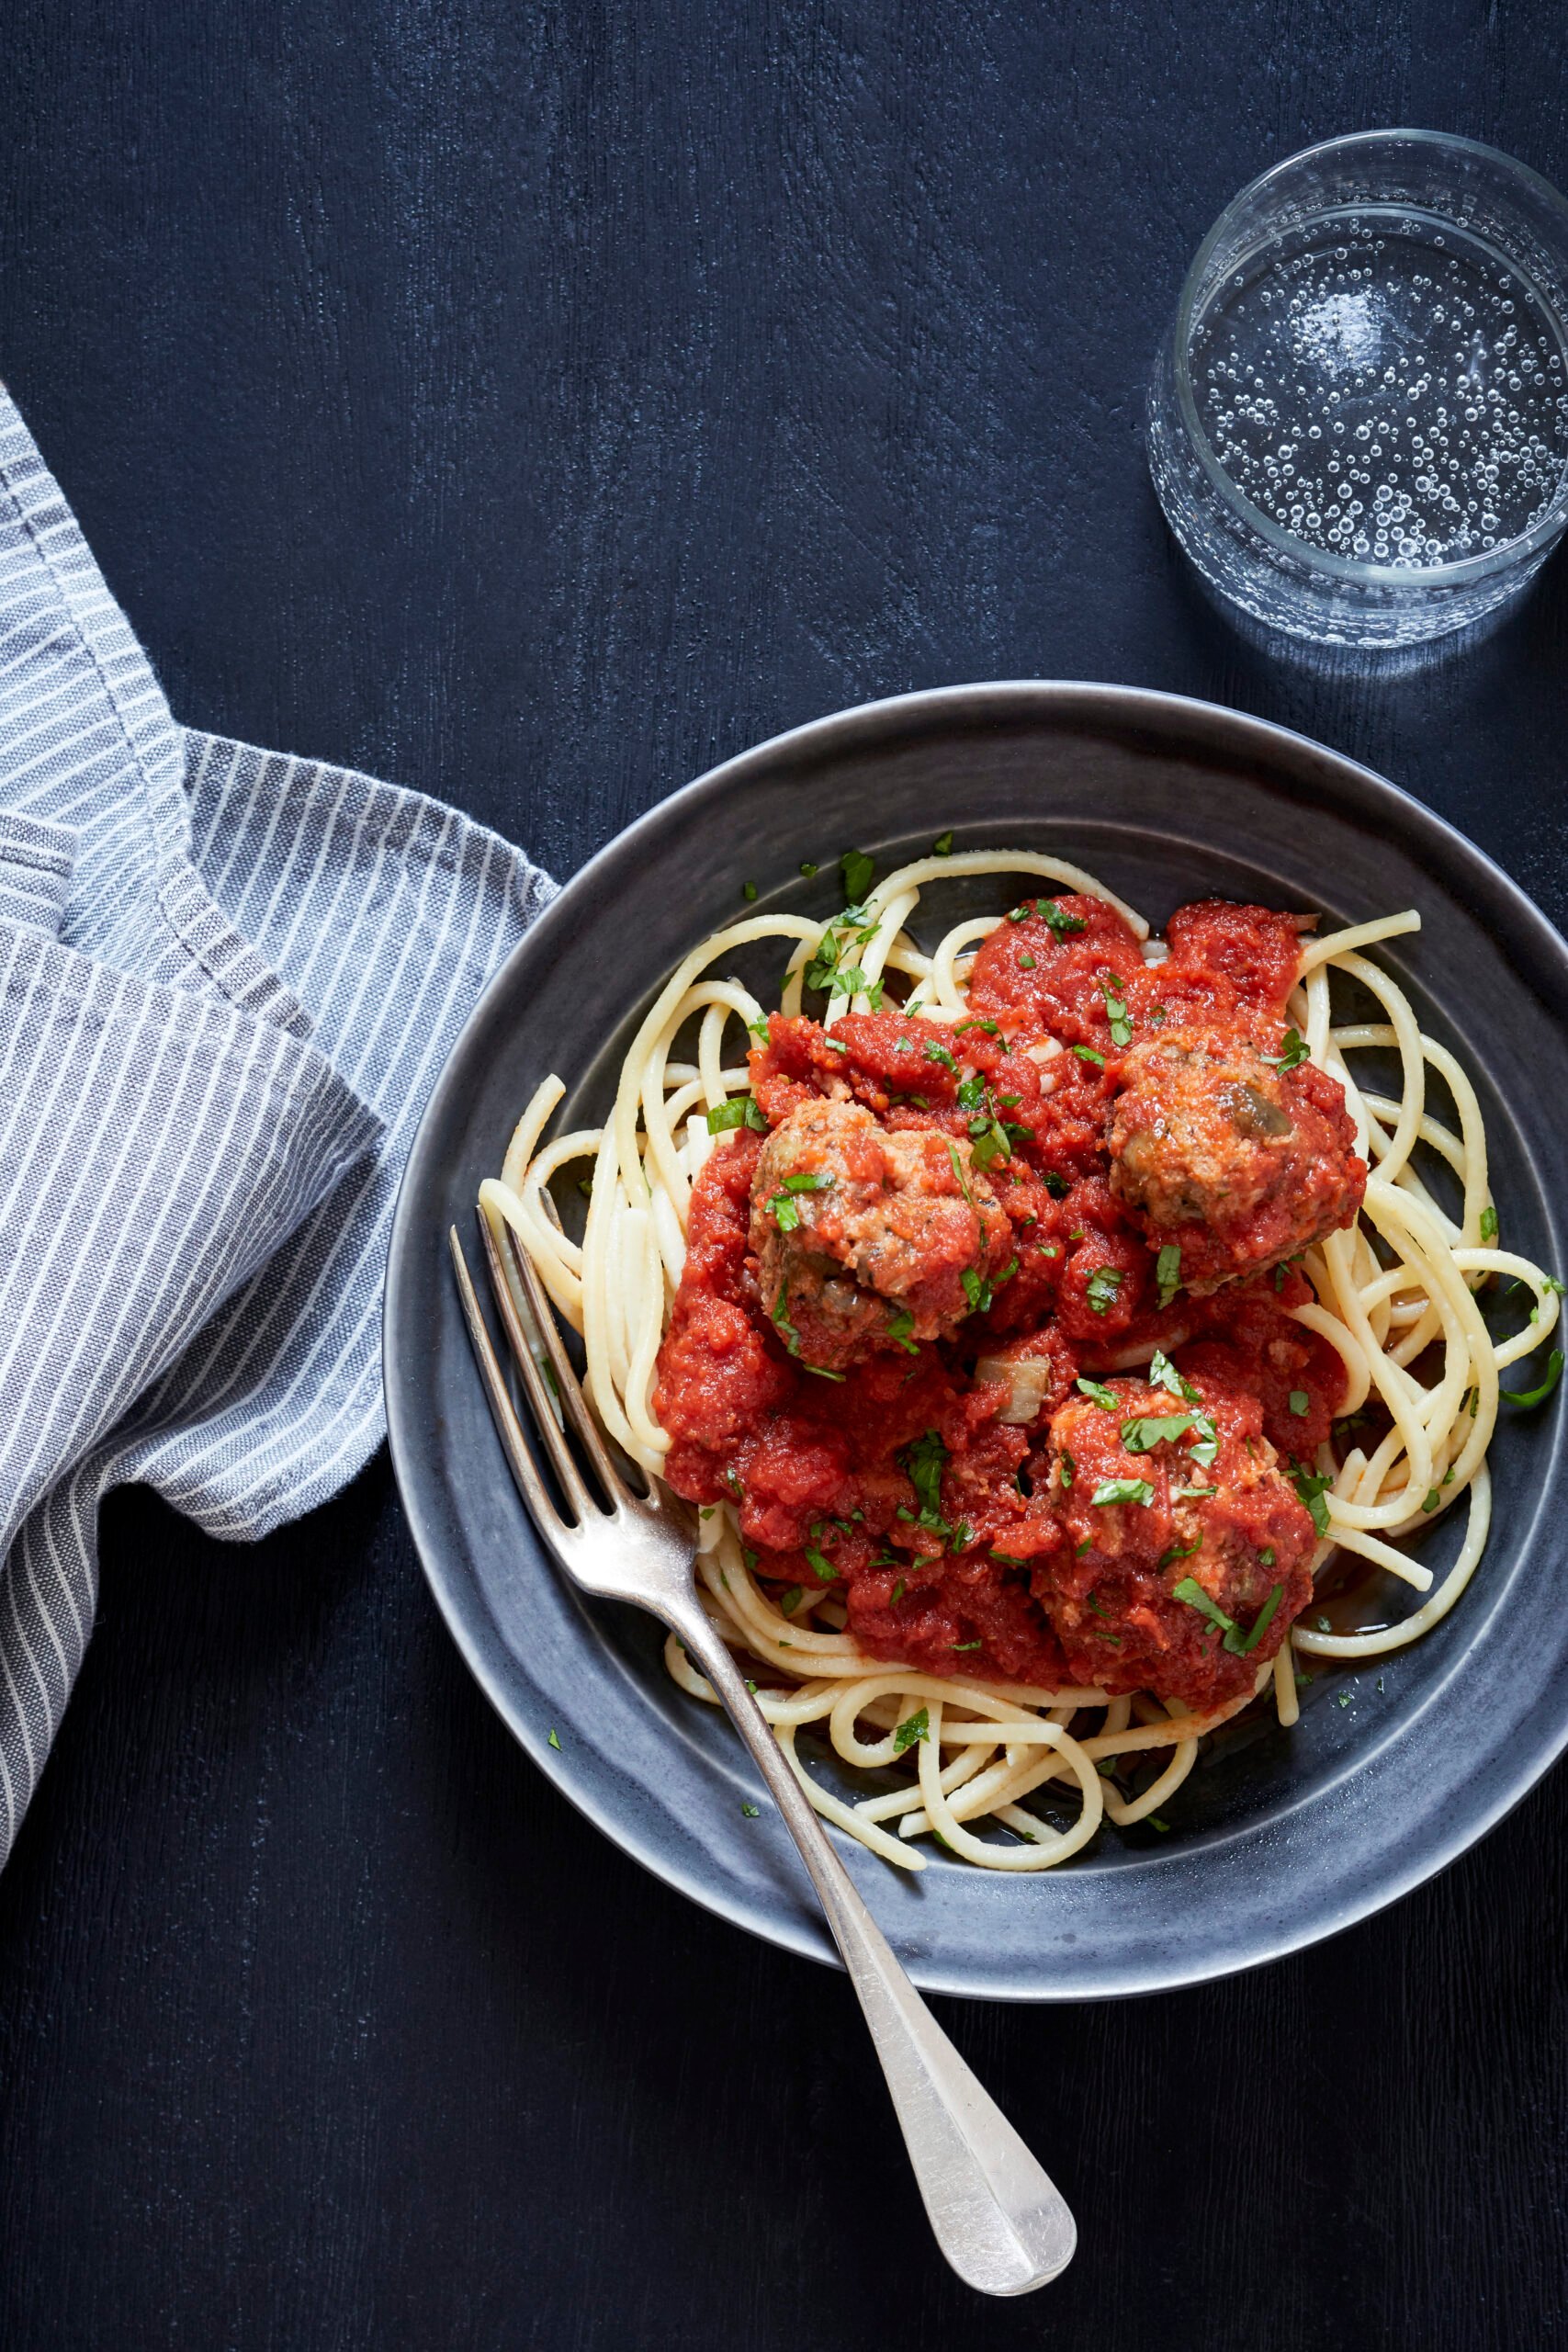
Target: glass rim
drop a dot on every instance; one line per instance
(1405, 577)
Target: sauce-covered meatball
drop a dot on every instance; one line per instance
(1187, 1547)
(1240, 1163)
(864, 1238)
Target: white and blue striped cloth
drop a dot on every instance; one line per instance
(228, 980)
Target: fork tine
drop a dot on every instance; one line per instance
(588, 1430)
(509, 1428)
(545, 1423)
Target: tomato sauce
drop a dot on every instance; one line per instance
(908, 1484)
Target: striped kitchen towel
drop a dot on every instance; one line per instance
(228, 980)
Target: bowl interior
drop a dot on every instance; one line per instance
(1277, 1838)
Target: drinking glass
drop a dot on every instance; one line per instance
(1358, 424)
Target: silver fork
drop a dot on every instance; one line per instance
(996, 2216)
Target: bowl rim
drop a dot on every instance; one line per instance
(1150, 712)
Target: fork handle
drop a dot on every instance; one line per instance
(996, 2214)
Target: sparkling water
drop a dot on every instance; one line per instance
(1386, 386)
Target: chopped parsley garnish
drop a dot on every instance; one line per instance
(1266, 1557)
(779, 1315)
(1057, 1186)
(965, 1646)
(1180, 1552)
(976, 1290)
(990, 1145)
(1102, 1286)
(942, 845)
(1116, 1006)
(959, 1177)
(1146, 1430)
(1552, 1288)
(737, 1111)
(751, 1811)
(759, 1028)
(1088, 1054)
(1489, 1223)
(899, 1589)
(1241, 1644)
(1123, 1490)
(971, 1092)
(1024, 963)
(1067, 1474)
(1433, 1500)
(1007, 1559)
(899, 1326)
(555, 1743)
(748, 891)
(925, 1461)
(1300, 1401)
(1536, 1395)
(1193, 1593)
(790, 1601)
(988, 1029)
(821, 1568)
(935, 1053)
(857, 870)
(809, 869)
(912, 1728)
(1164, 1375)
(783, 1209)
(1168, 1272)
(1106, 1398)
(829, 970)
(1292, 1051)
(1051, 916)
(1312, 1486)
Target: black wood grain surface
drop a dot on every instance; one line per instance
(535, 404)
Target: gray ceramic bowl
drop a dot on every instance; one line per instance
(1277, 1839)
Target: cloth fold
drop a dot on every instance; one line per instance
(228, 980)
(35, 872)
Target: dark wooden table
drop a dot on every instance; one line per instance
(534, 405)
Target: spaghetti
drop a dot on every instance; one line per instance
(1388, 1299)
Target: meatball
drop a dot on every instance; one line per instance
(865, 1239)
(1187, 1551)
(1237, 1161)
